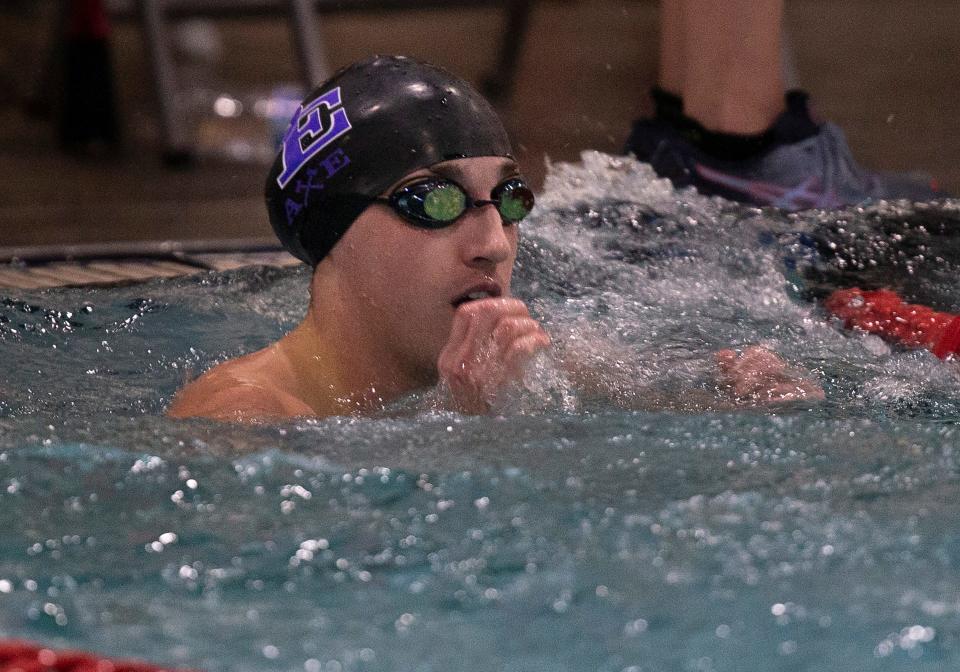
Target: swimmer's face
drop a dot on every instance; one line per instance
(405, 283)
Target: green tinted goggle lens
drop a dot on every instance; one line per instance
(435, 202)
(445, 203)
(514, 200)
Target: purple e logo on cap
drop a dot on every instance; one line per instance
(307, 136)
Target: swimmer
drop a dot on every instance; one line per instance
(397, 183)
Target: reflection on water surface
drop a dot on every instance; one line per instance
(567, 533)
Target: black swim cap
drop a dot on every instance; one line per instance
(362, 130)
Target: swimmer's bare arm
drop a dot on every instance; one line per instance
(755, 377)
(490, 342)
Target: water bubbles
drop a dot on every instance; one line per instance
(56, 612)
(295, 490)
(164, 540)
(314, 545)
(145, 464)
(909, 639)
(916, 634)
(787, 648)
(692, 528)
(562, 603)
(404, 622)
(884, 648)
(188, 573)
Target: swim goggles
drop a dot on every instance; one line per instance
(437, 202)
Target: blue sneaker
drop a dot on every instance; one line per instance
(799, 164)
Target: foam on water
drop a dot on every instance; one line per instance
(579, 529)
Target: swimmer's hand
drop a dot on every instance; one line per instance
(490, 342)
(759, 376)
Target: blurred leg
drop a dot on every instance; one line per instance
(724, 59)
(672, 40)
(723, 123)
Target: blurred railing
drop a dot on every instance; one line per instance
(154, 16)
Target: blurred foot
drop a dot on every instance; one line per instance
(796, 164)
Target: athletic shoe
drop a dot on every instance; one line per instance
(804, 165)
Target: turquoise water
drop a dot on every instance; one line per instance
(573, 531)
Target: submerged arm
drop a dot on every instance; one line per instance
(756, 377)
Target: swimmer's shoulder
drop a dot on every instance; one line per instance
(237, 391)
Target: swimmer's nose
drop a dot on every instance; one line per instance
(487, 240)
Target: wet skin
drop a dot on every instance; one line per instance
(759, 376)
(395, 308)
(391, 312)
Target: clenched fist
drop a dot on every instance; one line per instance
(761, 376)
(490, 342)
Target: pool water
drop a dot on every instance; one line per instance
(620, 529)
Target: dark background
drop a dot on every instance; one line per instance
(886, 71)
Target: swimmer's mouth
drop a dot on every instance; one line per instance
(485, 290)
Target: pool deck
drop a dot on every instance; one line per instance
(888, 72)
(44, 266)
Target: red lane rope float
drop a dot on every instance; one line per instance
(23, 656)
(884, 313)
